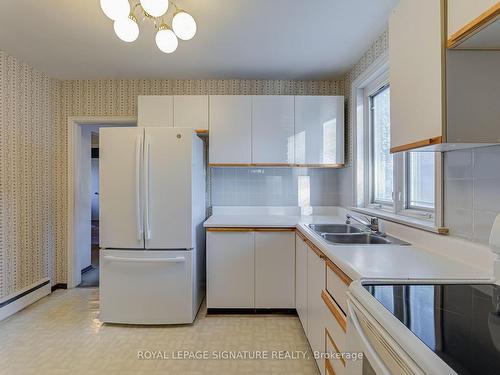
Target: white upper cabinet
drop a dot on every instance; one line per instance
(416, 38)
(273, 129)
(230, 129)
(462, 12)
(155, 110)
(191, 111)
(319, 130)
(474, 24)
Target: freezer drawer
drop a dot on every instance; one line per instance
(146, 287)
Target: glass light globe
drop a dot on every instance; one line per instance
(156, 8)
(126, 29)
(115, 9)
(184, 25)
(166, 40)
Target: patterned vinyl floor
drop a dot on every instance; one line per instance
(61, 334)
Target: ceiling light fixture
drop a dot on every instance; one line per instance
(156, 11)
(184, 25)
(166, 40)
(126, 28)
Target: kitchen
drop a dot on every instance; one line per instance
(271, 206)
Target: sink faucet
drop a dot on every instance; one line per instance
(371, 223)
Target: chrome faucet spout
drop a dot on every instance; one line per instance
(371, 223)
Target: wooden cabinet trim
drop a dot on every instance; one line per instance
(330, 338)
(413, 145)
(332, 306)
(328, 367)
(314, 248)
(319, 165)
(299, 233)
(474, 26)
(229, 229)
(271, 164)
(248, 229)
(229, 165)
(336, 269)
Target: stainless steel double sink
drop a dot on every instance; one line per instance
(346, 234)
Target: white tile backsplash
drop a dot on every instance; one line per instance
(272, 186)
(472, 191)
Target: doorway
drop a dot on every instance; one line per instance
(89, 261)
(83, 197)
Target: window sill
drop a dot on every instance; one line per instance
(409, 221)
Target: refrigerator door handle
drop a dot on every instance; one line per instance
(138, 211)
(144, 260)
(147, 156)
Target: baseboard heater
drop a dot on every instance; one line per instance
(23, 298)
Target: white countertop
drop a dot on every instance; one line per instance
(266, 221)
(361, 261)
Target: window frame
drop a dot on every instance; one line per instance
(367, 83)
(374, 90)
(408, 205)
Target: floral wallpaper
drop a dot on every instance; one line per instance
(28, 108)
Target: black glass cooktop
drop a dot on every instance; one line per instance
(460, 323)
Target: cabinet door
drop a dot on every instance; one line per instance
(315, 312)
(191, 111)
(416, 37)
(461, 12)
(155, 110)
(301, 280)
(273, 129)
(275, 269)
(319, 130)
(230, 129)
(230, 269)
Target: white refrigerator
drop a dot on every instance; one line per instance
(152, 208)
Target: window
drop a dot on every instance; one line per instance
(382, 183)
(403, 186)
(420, 180)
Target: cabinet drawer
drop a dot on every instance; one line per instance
(335, 321)
(337, 283)
(333, 365)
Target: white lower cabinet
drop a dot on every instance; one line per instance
(316, 269)
(274, 269)
(301, 252)
(250, 269)
(230, 269)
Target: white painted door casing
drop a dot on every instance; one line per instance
(319, 130)
(275, 269)
(230, 129)
(191, 111)
(230, 270)
(416, 39)
(155, 110)
(273, 129)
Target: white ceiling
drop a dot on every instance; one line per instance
(245, 39)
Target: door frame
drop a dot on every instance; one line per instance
(75, 178)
